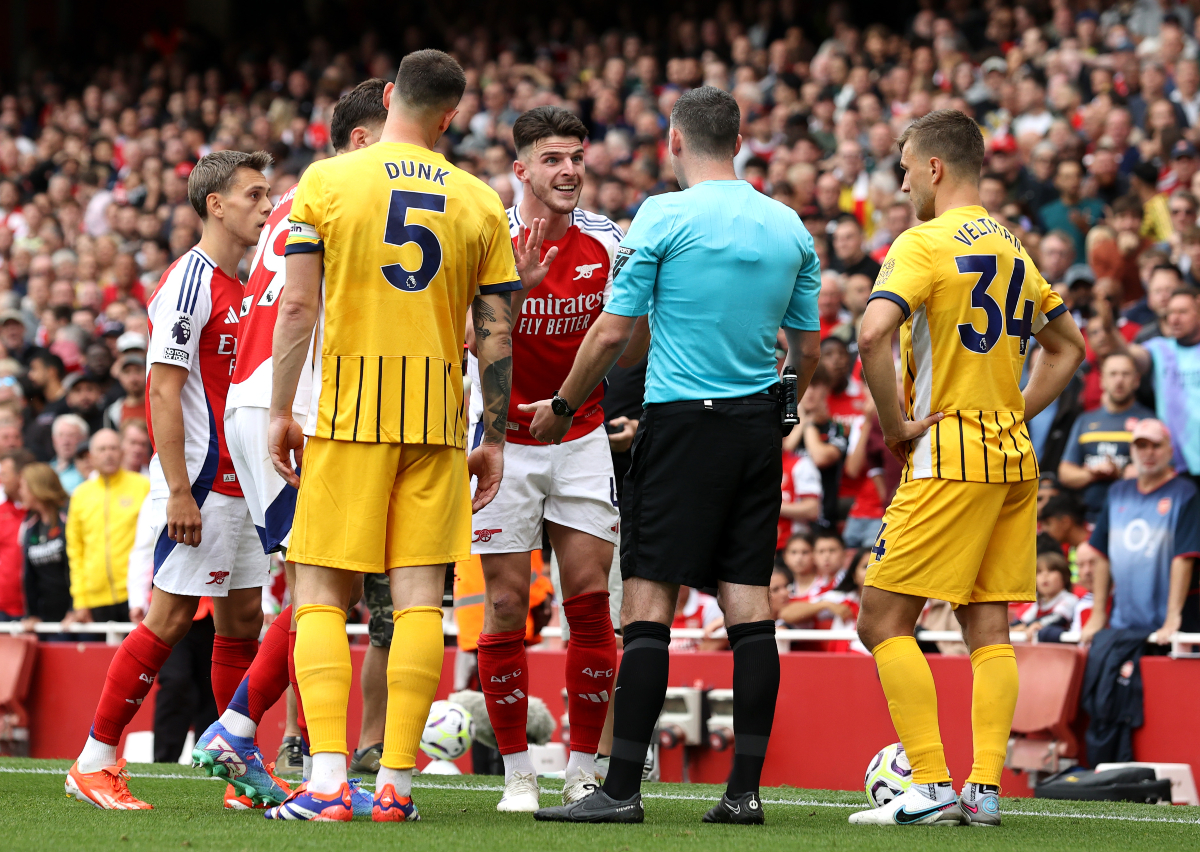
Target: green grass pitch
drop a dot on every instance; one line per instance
(459, 814)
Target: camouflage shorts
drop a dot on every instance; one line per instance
(377, 592)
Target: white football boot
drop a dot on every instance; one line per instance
(920, 804)
(579, 786)
(520, 794)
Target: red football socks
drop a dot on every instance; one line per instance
(230, 660)
(504, 676)
(268, 674)
(591, 667)
(130, 676)
(291, 669)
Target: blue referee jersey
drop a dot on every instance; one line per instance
(719, 268)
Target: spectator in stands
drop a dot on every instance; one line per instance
(12, 515)
(1064, 520)
(135, 446)
(1097, 450)
(1071, 213)
(1148, 537)
(1055, 604)
(822, 439)
(131, 373)
(850, 258)
(101, 525)
(694, 609)
(69, 432)
(1151, 312)
(779, 592)
(44, 544)
(14, 336)
(865, 463)
(45, 375)
(1156, 219)
(1175, 361)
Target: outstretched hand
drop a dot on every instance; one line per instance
(531, 266)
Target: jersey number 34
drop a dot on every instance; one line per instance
(998, 322)
(400, 232)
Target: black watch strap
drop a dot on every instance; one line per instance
(561, 407)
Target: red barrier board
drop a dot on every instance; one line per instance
(830, 720)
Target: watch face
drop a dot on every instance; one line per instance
(559, 406)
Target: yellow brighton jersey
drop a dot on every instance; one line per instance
(409, 240)
(971, 298)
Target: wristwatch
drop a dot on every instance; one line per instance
(561, 407)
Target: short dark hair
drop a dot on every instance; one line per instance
(215, 173)
(542, 123)
(49, 359)
(1064, 506)
(1127, 205)
(19, 457)
(430, 79)
(1168, 267)
(1186, 290)
(709, 120)
(950, 135)
(825, 532)
(362, 106)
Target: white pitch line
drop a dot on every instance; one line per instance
(492, 788)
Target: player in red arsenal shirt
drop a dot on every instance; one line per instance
(568, 487)
(205, 543)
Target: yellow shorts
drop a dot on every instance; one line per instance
(373, 507)
(962, 542)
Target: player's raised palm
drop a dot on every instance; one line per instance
(531, 266)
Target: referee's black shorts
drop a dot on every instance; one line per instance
(701, 499)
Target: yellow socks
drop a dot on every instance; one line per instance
(323, 674)
(912, 700)
(993, 701)
(413, 670)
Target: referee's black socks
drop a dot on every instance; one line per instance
(641, 688)
(755, 689)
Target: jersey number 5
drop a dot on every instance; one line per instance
(400, 233)
(984, 265)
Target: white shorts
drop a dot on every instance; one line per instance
(570, 484)
(271, 501)
(229, 556)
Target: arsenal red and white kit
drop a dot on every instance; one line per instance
(271, 501)
(193, 320)
(570, 483)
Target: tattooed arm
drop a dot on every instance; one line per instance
(492, 324)
(492, 317)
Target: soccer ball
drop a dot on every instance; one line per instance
(888, 775)
(448, 731)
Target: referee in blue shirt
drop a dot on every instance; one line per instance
(718, 268)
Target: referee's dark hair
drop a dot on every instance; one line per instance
(429, 80)
(362, 106)
(543, 122)
(709, 120)
(950, 135)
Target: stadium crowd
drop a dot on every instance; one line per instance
(1090, 111)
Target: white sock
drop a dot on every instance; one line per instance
(517, 762)
(237, 724)
(306, 772)
(580, 762)
(401, 779)
(942, 792)
(328, 772)
(96, 755)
